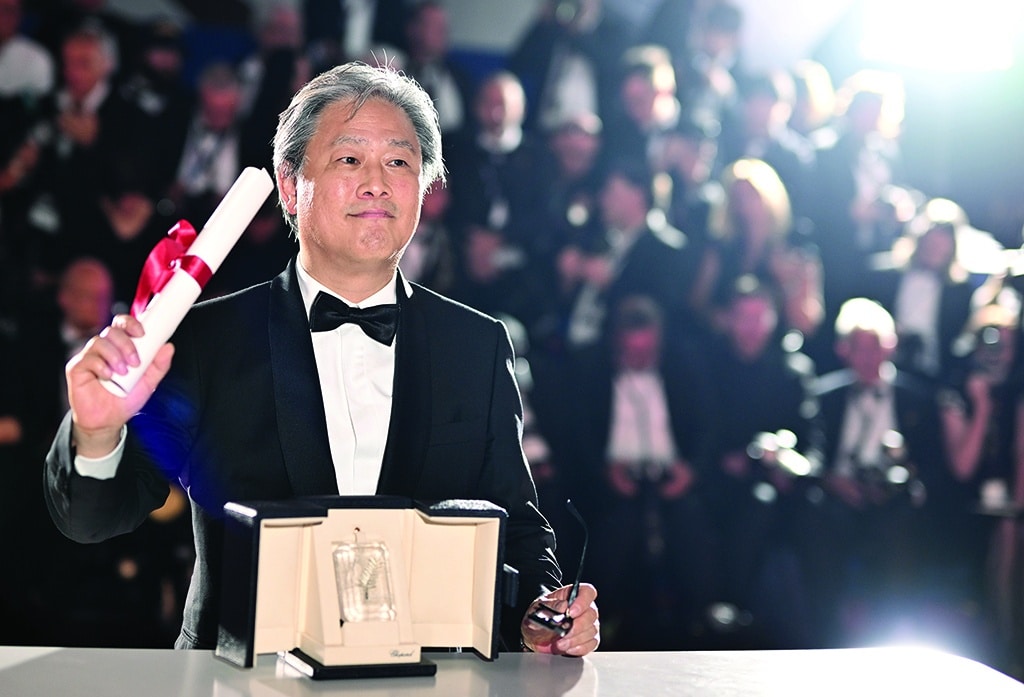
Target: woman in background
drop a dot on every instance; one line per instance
(750, 233)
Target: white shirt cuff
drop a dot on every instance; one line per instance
(102, 467)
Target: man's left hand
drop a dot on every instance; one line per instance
(585, 634)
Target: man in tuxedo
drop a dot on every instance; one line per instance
(430, 64)
(887, 476)
(636, 252)
(89, 137)
(273, 395)
(644, 424)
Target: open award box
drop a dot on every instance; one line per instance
(357, 586)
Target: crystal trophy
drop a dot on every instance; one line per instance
(364, 582)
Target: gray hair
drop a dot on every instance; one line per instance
(355, 82)
(862, 314)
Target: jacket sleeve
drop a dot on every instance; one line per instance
(529, 541)
(92, 510)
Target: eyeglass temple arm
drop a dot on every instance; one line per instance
(583, 553)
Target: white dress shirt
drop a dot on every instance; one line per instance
(437, 80)
(90, 104)
(641, 433)
(571, 88)
(870, 414)
(917, 313)
(359, 18)
(209, 160)
(586, 320)
(357, 376)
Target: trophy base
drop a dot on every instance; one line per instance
(309, 666)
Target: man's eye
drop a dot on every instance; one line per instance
(347, 159)
(399, 163)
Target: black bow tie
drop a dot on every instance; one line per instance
(380, 322)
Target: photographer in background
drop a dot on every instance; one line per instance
(645, 429)
(983, 419)
(886, 477)
(764, 385)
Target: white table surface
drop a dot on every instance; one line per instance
(67, 672)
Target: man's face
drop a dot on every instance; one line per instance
(639, 348)
(499, 106)
(430, 33)
(85, 297)
(357, 196)
(864, 353)
(752, 321)
(219, 106)
(164, 62)
(283, 29)
(638, 97)
(85, 65)
(936, 249)
(576, 150)
(623, 204)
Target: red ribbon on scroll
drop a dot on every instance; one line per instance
(169, 255)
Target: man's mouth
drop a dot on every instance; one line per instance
(373, 213)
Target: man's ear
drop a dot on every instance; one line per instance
(286, 185)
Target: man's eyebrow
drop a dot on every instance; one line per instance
(402, 143)
(359, 140)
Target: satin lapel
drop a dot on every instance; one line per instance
(410, 404)
(297, 398)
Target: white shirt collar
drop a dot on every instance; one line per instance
(92, 101)
(884, 388)
(309, 287)
(503, 143)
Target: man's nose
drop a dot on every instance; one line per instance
(374, 184)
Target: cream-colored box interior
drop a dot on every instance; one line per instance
(444, 580)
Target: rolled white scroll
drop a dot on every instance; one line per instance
(168, 307)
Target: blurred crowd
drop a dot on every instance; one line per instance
(782, 385)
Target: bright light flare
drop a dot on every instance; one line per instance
(950, 36)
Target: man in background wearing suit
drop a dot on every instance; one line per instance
(875, 536)
(273, 395)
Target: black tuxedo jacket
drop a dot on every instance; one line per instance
(689, 392)
(917, 419)
(954, 309)
(661, 265)
(240, 417)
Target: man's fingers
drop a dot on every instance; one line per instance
(584, 637)
(129, 325)
(100, 357)
(114, 349)
(119, 336)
